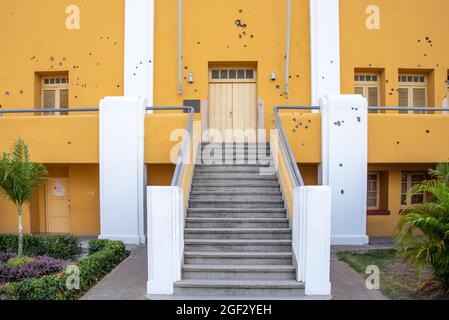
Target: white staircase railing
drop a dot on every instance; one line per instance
(308, 210)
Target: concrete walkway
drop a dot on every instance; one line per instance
(128, 281)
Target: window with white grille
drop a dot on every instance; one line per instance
(368, 85)
(408, 181)
(232, 74)
(412, 91)
(55, 93)
(373, 191)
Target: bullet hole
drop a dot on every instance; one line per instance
(341, 165)
(332, 61)
(297, 76)
(245, 46)
(294, 130)
(107, 38)
(1, 106)
(149, 61)
(185, 78)
(186, 67)
(397, 142)
(306, 127)
(60, 64)
(278, 86)
(69, 142)
(309, 121)
(386, 81)
(294, 119)
(427, 131)
(198, 43)
(115, 43)
(118, 86)
(240, 11)
(358, 119)
(289, 77)
(323, 77)
(239, 24)
(90, 53)
(7, 93)
(392, 89)
(425, 54)
(252, 36)
(297, 127)
(98, 63)
(137, 67)
(390, 93)
(427, 38)
(419, 66)
(370, 65)
(101, 38)
(240, 36)
(52, 58)
(21, 91)
(134, 74)
(281, 95)
(338, 123)
(419, 40)
(342, 191)
(76, 97)
(244, 33)
(33, 57)
(51, 67)
(63, 59)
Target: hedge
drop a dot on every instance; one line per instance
(53, 287)
(57, 246)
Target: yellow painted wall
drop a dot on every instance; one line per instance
(378, 226)
(412, 36)
(64, 139)
(34, 39)
(211, 35)
(84, 202)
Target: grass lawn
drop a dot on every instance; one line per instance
(398, 280)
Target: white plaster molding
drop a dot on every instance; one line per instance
(165, 239)
(324, 48)
(139, 49)
(122, 169)
(344, 167)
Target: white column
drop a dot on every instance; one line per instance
(324, 48)
(165, 239)
(344, 166)
(139, 49)
(122, 169)
(311, 238)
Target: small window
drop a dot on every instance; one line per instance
(232, 74)
(373, 191)
(249, 74)
(223, 74)
(241, 74)
(408, 181)
(55, 93)
(412, 92)
(215, 74)
(368, 86)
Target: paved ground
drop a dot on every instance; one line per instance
(128, 281)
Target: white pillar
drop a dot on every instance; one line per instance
(139, 49)
(324, 48)
(122, 169)
(311, 238)
(344, 164)
(165, 239)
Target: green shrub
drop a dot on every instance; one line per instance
(19, 261)
(57, 246)
(97, 245)
(53, 287)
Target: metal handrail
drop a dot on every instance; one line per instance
(180, 164)
(49, 110)
(294, 173)
(426, 109)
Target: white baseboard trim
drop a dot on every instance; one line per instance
(350, 240)
(127, 239)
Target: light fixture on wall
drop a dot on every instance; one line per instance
(273, 76)
(190, 78)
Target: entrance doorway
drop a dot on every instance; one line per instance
(58, 205)
(233, 102)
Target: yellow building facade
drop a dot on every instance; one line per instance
(71, 54)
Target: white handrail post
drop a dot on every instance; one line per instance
(165, 238)
(311, 238)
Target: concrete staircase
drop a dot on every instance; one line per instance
(238, 242)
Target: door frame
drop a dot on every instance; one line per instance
(47, 206)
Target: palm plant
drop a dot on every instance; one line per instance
(18, 177)
(422, 234)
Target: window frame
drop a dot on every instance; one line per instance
(409, 175)
(377, 207)
(57, 87)
(227, 69)
(410, 86)
(366, 85)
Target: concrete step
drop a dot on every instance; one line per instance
(249, 288)
(238, 245)
(236, 213)
(236, 204)
(235, 183)
(235, 176)
(230, 188)
(238, 258)
(238, 233)
(236, 196)
(235, 145)
(233, 162)
(230, 169)
(236, 223)
(238, 272)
